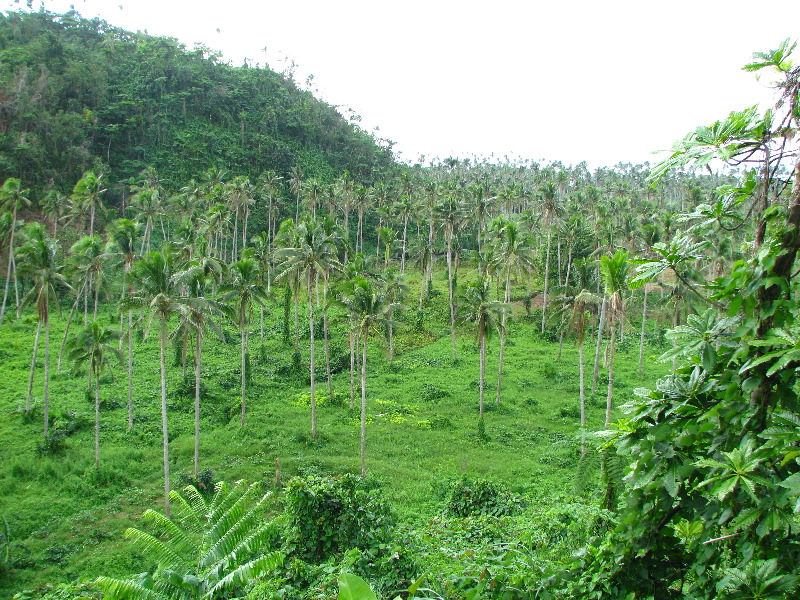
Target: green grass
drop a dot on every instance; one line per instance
(67, 519)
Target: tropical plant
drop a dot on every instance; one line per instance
(243, 290)
(12, 198)
(477, 307)
(93, 346)
(212, 550)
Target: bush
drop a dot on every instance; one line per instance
(480, 497)
(328, 515)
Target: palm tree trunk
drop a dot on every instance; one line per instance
(197, 364)
(130, 370)
(390, 330)
(546, 281)
(481, 369)
(405, 236)
(164, 426)
(599, 345)
(582, 388)
(352, 340)
(311, 360)
(609, 399)
(450, 293)
(9, 270)
(641, 337)
(47, 362)
(96, 420)
(33, 368)
(364, 406)
(502, 341)
(325, 336)
(66, 329)
(244, 372)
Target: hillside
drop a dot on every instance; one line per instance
(79, 94)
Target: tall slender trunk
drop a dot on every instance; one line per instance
(450, 292)
(352, 339)
(96, 420)
(364, 406)
(641, 337)
(33, 368)
(11, 266)
(130, 370)
(164, 426)
(244, 370)
(481, 369)
(198, 352)
(405, 237)
(582, 392)
(311, 360)
(609, 398)
(602, 323)
(546, 281)
(502, 340)
(325, 335)
(66, 329)
(390, 330)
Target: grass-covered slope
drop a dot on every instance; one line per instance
(67, 518)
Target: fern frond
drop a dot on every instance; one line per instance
(155, 549)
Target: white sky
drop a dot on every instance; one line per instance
(602, 81)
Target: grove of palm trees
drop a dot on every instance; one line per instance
(284, 365)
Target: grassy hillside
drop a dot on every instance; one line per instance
(67, 518)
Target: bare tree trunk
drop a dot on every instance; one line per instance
(352, 339)
(582, 398)
(482, 371)
(610, 397)
(33, 369)
(641, 337)
(164, 427)
(311, 361)
(502, 341)
(244, 371)
(197, 364)
(599, 345)
(130, 370)
(546, 281)
(96, 419)
(364, 406)
(450, 290)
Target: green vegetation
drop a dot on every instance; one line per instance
(658, 482)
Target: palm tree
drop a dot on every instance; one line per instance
(477, 307)
(156, 289)
(396, 290)
(579, 323)
(551, 210)
(122, 249)
(513, 256)
(39, 263)
(197, 312)
(450, 213)
(244, 289)
(93, 345)
(213, 550)
(315, 253)
(366, 306)
(614, 271)
(12, 198)
(87, 196)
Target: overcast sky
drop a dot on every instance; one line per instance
(602, 81)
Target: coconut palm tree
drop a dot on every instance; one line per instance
(39, 262)
(157, 292)
(87, 196)
(93, 346)
(243, 290)
(513, 257)
(614, 271)
(314, 253)
(366, 307)
(197, 312)
(122, 250)
(579, 323)
(477, 307)
(396, 291)
(12, 198)
(450, 213)
(551, 209)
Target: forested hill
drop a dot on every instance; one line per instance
(79, 94)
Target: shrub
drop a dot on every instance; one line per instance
(328, 515)
(480, 497)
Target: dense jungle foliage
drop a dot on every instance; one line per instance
(245, 354)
